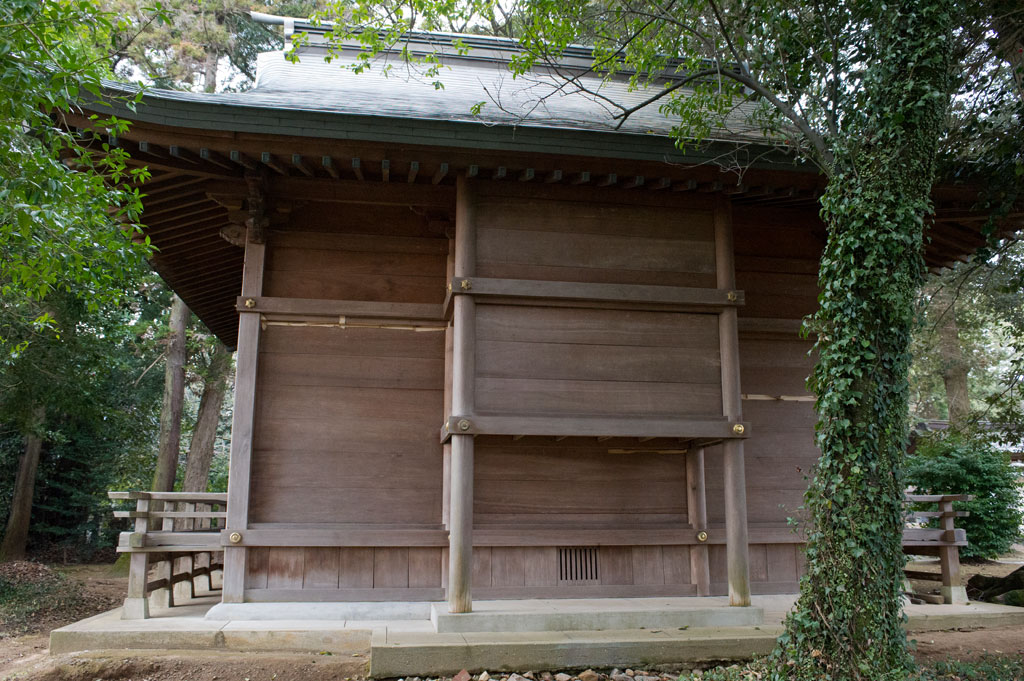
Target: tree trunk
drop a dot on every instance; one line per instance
(951, 357)
(174, 399)
(200, 451)
(846, 624)
(16, 534)
(210, 72)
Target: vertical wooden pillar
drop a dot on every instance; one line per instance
(953, 590)
(136, 605)
(240, 466)
(736, 536)
(460, 511)
(697, 512)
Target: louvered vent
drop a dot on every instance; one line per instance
(577, 565)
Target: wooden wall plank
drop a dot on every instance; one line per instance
(284, 568)
(596, 327)
(504, 359)
(390, 568)
(676, 564)
(256, 568)
(508, 566)
(758, 563)
(648, 567)
(355, 568)
(540, 565)
(481, 570)
(425, 567)
(320, 567)
(781, 559)
(615, 565)
(595, 251)
(614, 398)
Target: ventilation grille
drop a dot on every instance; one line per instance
(577, 565)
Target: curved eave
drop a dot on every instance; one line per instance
(189, 110)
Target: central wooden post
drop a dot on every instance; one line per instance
(244, 412)
(460, 513)
(736, 535)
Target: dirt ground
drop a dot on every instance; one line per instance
(26, 658)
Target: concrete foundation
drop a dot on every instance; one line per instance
(658, 632)
(594, 615)
(265, 612)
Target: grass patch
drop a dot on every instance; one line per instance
(991, 668)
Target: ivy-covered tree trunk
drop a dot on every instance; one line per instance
(847, 623)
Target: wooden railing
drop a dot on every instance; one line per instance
(944, 542)
(175, 541)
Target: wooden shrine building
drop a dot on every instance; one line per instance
(514, 354)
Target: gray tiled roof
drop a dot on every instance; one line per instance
(403, 91)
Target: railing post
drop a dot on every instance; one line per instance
(953, 590)
(136, 605)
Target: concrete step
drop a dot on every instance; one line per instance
(426, 654)
(585, 615)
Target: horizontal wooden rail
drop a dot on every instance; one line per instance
(597, 426)
(349, 309)
(357, 537)
(613, 293)
(936, 498)
(576, 536)
(182, 497)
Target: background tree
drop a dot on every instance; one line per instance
(199, 41)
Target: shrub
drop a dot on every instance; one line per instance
(954, 464)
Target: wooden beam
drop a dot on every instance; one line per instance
(338, 308)
(414, 169)
(328, 164)
(735, 490)
(571, 290)
(259, 221)
(300, 164)
(267, 159)
(369, 535)
(553, 177)
(526, 175)
(685, 186)
(242, 160)
(442, 171)
(472, 171)
(499, 173)
(357, 168)
(385, 170)
(460, 549)
(581, 178)
(608, 180)
(463, 423)
(347, 191)
(697, 514)
(243, 421)
(632, 183)
(215, 158)
(662, 183)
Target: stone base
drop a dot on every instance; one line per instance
(954, 595)
(594, 615)
(135, 609)
(371, 611)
